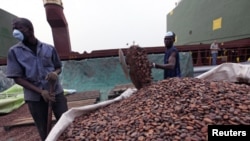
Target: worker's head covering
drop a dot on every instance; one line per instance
(170, 34)
(169, 39)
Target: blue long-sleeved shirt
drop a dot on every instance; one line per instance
(23, 62)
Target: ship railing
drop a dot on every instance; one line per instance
(235, 55)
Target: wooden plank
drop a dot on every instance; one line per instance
(83, 95)
(81, 103)
(22, 121)
(29, 120)
(119, 89)
(26, 120)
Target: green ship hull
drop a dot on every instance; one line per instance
(6, 39)
(203, 21)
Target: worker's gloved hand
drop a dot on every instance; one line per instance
(52, 76)
(152, 64)
(47, 96)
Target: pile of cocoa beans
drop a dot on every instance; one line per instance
(139, 66)
(171, 109)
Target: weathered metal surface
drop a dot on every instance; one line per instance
(59, 26)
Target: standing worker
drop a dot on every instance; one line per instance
(34, 65)
(171, 64)
(214, 52)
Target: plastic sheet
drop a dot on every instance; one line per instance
(232, 72)
(11, 99)
(5, 82)
(105, 73)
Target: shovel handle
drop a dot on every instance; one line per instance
(49, 119)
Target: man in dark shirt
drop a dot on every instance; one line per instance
(34, 65)
(171, 64)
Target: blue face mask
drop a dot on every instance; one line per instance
(18, 35)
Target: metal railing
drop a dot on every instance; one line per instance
(236, 55)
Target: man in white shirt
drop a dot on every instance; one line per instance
(214, 51)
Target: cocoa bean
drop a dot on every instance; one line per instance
(171, 109)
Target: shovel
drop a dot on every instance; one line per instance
(123, 63)
(49, 120)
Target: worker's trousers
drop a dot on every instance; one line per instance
(214, 58)
(39, 112)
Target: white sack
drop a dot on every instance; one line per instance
(68, 117)
(232, 72)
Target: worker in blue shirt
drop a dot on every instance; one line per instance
(34, 65)
(171, 64)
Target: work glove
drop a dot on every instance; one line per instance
(52, 76)
(47, 96)
(152, 65)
